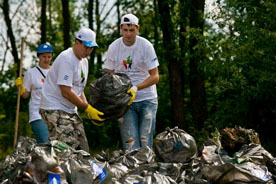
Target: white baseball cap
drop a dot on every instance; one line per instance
(87, 36)
(129, 19)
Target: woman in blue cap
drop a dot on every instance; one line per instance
(31, 85)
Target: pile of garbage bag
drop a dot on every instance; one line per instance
(173, 159)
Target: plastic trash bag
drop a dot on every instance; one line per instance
(137, 157)
(16, 167)
(174, 145)
(109, 95)
(120, 164)
(192, 173)
(146, 176)
(53, 162)
(172, 170)
(249, 165)
(232, 139)
(246, 172)
(108, 174)
(131, 159)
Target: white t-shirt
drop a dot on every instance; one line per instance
(33, 81)
(67, 70)
(135, 60)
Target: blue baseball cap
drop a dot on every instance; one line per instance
(87, 36)
(44, 48)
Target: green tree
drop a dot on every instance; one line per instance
(174, 65)
(66, 24)
(196, 75)
(241, 67)
(6, 11)
(43, 20)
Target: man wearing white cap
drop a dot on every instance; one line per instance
(135, 56)
(62, 93)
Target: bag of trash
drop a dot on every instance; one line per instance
(232, 139)
(131, 159)
(246, 172)
(146, 175)
(15, 167)
(174, 146)
(47, 163)
(109, 95)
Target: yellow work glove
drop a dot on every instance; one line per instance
(93, 113)
(132, 91)
(19, 82)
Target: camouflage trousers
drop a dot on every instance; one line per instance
(65, 127)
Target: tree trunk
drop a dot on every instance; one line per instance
(90, 13)
(197, 83)
(118, 17)
(50, 16)
(98, 23)
(43, 21)
(176, 87)
(91, 21)
(183, 43)
(6, 11)
(184, 15)
(4, 57)
(66, 24)
(155, 23)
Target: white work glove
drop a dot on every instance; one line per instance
(132, 91)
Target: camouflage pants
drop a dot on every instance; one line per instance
(65, 127)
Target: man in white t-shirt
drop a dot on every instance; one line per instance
(135, 56)
(62, 93)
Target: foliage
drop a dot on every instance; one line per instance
(241, 67)
(8, 98)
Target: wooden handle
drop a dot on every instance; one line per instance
(19, 91)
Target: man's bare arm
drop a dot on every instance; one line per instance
(151, 80)
(70, 95)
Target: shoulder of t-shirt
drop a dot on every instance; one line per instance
(143, 40)
(144, 44)
(85, 60)
(29, 73)
(65, 55)
(115, 43)
(30, 70)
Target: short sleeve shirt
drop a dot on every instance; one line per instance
(135, 60)
(67, 70)
(33, 81)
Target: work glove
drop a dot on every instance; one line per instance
(19, 82)
(93, 113)
(132, 91)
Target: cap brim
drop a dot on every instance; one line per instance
(90, 43)
(131, 23)
(45, 50)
